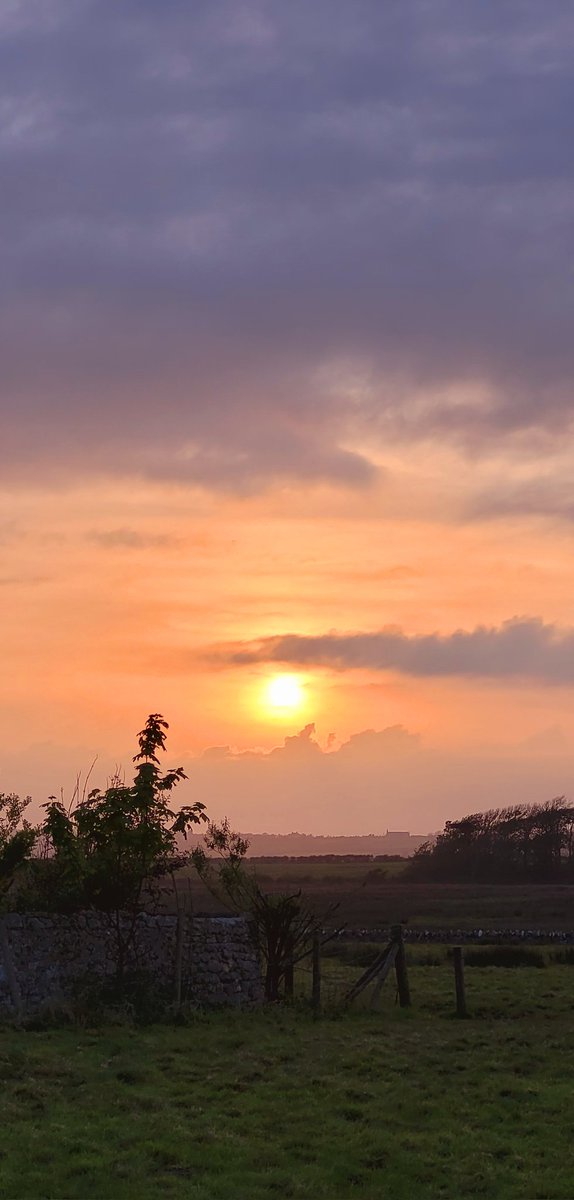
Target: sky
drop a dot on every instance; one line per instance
(286, 391)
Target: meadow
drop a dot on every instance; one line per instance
(375, 895)
(274, 1103)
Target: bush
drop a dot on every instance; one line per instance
(284, 925)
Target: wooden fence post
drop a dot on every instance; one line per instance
(316, 993)
(385, 970)
(458, 961)
(401, 967)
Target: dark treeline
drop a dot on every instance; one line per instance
(530, 842)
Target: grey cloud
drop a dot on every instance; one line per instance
(523, 648)
(203, 204)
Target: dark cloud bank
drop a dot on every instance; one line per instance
(518, 649)
(216, 215)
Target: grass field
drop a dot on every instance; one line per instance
(274, 1104)
(367, 900)
(329, 872)
(493, 993)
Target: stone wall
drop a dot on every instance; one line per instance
(44, 960)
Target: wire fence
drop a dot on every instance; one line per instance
(445, 979)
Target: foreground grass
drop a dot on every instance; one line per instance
(241, 1107)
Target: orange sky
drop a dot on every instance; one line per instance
(112, 597)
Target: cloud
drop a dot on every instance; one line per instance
(522, 648)
(298, 747)
(377, 779)
(245, 242)
(303, 747)
(128, 539)
(374, 744)
(546, 497)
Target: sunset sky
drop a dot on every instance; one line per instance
(287, 356)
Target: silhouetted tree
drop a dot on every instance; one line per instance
(17, 838)
(523, 842)
(107, 851)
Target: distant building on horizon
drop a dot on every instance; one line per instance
(301, 845)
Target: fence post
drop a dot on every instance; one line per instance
(316, 994)
(458, 960)
(387, 966)
(401, 967)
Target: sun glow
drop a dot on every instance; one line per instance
(284, 694)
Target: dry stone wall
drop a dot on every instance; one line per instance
(46, 959)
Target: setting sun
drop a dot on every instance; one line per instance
(284, 692)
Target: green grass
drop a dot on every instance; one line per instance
(493, 992)
(273, 1104)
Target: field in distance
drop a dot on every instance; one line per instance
(371, 895)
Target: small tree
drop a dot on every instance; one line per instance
(17, 838)
(284, 924)
(112, 846)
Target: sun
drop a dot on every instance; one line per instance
(284, 693)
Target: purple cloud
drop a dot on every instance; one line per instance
(204, 205)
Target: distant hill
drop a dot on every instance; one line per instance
(305, 845)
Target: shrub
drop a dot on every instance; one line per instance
(284, 925)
